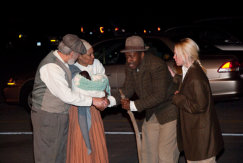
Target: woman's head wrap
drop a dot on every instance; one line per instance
(86, 44)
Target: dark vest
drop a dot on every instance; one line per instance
(42, 98)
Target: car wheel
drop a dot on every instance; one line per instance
(26, 96)
(29, 101)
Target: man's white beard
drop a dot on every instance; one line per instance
(71, 61)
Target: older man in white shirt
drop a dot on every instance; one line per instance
(52, 97)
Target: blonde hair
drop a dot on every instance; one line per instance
(189, 51)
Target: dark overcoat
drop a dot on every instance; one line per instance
(153, 84)
(199, 132)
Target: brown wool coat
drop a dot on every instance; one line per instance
(154, 87)
(199, 132)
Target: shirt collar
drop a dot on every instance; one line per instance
(142, 64)
(60, 58)
(184, 71)
(84, 68)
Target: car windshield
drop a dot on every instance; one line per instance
(108, 52)
(220, 38)
(209, 39)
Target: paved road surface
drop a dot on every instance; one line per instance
(16, 134)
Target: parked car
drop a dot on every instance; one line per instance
(222, 70)
(210, 38)
(18, 67)
(18, 89)
(233, 24)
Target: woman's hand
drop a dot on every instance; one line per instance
(100, 103)
(171, 71)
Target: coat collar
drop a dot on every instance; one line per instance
(142, 65)
(193, 66)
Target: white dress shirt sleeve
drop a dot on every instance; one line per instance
(54, 78)
(112, 101)
(132, 106)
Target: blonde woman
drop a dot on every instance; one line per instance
(199, 132)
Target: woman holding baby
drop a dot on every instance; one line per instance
(86, 137)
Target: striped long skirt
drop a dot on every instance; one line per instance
(76, 148)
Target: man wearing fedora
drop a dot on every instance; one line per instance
(148, 77)
(52, 97)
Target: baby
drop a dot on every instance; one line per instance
(85, 74)
(94, 86)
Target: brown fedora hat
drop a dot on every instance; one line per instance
(134, 43)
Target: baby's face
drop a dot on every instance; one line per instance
(85, 74)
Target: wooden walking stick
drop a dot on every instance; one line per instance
(135, 126)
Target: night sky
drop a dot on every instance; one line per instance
(37, 19)
(40, 18)
(66, 17)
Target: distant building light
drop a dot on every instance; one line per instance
(123, 30)
(38, 43)
(20, 35)
(116, 29)
(82, 29)
(144, 31)
(102, 30)
(90, 33)
(53, 40)
(159, 29)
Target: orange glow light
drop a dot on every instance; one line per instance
(101, 29)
